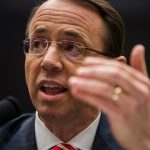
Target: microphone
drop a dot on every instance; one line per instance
(10, 108)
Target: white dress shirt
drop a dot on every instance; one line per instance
(46, 139)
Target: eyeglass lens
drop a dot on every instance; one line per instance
(70, 49)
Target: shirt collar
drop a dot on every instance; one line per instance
(46, 139)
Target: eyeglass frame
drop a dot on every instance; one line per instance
(48, 44)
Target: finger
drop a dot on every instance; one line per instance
(91, 86)
(102, 90)
(117, 76)
(99, 102)
(129, 107)
(91, 62)
(102, 98)
(125, 107)
(137, 59)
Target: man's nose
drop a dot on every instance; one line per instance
(52, 59)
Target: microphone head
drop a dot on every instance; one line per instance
(10, 108)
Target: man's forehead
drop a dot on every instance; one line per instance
(69, 6)
(63, 8)
(71, 15)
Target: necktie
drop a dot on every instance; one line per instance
(63, 146)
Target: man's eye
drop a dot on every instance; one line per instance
(70, 47)
(72, 50)
(38, 45)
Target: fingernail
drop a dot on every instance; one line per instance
(81, 71)
(87, 59)
(72, 80)
(140, 46)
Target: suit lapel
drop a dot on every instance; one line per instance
(104, 139)
(25, 137)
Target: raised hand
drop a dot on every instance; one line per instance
(129, 114)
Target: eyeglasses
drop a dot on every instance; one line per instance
(70, 49)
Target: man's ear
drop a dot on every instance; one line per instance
(122, 59)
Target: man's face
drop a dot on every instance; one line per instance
(47, 75)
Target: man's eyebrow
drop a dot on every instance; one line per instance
(73, 34)
(39, 30)
(68, 33)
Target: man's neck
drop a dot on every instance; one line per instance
(69, 128)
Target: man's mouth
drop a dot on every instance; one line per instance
(53, 88)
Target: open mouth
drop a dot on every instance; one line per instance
(53, 88)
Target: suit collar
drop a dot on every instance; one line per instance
(104, 139)
(25, 136)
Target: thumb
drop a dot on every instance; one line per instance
(137, 59)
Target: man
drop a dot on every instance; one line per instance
(74, 71)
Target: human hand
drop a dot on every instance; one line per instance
(129, 117)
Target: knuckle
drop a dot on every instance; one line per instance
(124, 116)
(136, 106)
(116, 73)
(145, 95)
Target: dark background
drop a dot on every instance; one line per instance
(13, 18)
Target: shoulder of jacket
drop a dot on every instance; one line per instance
(8, 130)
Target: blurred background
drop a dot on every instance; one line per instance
(13, 18)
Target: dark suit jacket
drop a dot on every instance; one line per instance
(19, 134)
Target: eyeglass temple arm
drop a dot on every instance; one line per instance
(101, 53)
